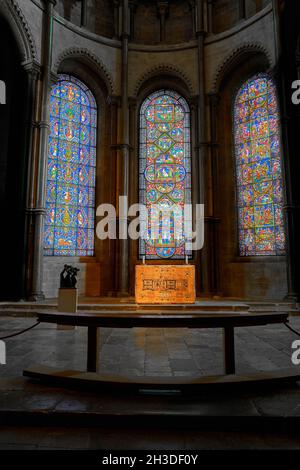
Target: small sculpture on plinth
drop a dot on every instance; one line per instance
(68, 277)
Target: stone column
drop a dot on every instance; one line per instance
(132, 8)
(287, 26)
(242, 9)
(290, 124)
(194, 101)
(33, 75)
(201, 146)
(277, 32)
(123, 157)
(210, 16)
(116, 18)
(200, 34)
(214, 219)
(39, 210)
(114, 103)
(192, 6)
(162, 6)
(83, 19)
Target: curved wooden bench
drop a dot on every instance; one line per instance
(163, 319)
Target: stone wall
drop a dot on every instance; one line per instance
(226, 13)
(70, 10)
(100, 15)
(148, 58)
(88, 276)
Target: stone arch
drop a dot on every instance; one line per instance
(21, 30)
(90, 59)
(159, 70)
(237, 56)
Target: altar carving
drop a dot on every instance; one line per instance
(167, 284)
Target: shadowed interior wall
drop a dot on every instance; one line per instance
(100, 15)
(12, 168)
(227, 13)
(70, 10)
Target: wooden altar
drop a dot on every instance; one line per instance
(165, 284)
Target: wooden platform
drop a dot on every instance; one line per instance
(80, 379)
(162, 317)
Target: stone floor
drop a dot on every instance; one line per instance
(72, 419)
(168, 352)
(78, 438)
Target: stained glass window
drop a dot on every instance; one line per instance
(258, 169)
(165, 173)
(69, 225)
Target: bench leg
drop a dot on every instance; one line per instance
(92, 349)
(228, 348)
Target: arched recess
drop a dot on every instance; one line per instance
(12, 13)
(165, 80)
(70, 195)
(14, 132)
(89, 61)
(165, 173)
(258, 155)
(262, 277)
(94, 279)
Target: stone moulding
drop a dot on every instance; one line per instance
(90, 57)
(163, 69)
(21, 30)
(233, 60)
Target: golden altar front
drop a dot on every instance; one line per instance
(167, 284)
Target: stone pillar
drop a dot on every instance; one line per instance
(192, 6)
(200, 33)
(33, 73)
(277, 32)
(39, 209)
(83, 20)
(201, 145)
(114, 103)
(134, 185)
(116, 18)
(132, 8)
(287, 23)
(123, 158)
(242, 9)
(162, 6)
(210, 16)
(214, 219)
(194, 101)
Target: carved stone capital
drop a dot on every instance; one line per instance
(33, 69)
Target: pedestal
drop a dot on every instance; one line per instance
(67, 302)
(170, 284)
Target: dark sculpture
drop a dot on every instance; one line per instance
(68, 277)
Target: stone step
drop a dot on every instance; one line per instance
(28, 309)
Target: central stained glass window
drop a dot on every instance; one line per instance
(165, 173)
(258, 169)
(69, 225)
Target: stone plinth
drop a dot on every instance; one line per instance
(67, 302)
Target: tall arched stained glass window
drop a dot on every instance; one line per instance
(258, 169)
(165, 172)
(69, 225)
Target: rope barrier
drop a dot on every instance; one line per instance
(20, 332)
(292, 329)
